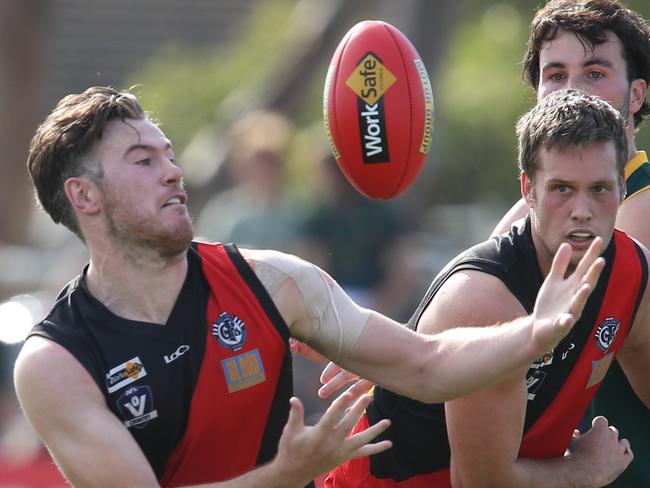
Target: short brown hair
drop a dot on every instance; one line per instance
(567, 118)
(67, 135)
(590, 20)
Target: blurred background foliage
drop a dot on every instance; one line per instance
(479, 92)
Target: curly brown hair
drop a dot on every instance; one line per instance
(590, 20)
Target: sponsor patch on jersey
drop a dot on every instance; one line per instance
(545, 360)
(599, 369)
(136, 406)
(230, 331)
(606, 333)
(243, 371)
(125, 374)
(533, 382)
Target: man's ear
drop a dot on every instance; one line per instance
(638, 89)
(526, 188)
(83, 194)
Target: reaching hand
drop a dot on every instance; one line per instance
(334, 377)
(561, 299)
(306, 452)
(600, 452)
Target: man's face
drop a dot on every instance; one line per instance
(574, 198)
(566, 63)
(143, 197)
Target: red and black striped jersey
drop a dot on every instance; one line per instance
(205, 395)
(560, 384)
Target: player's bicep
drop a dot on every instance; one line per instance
(485, 431)
(469, 298)
(89, 444)
(316, 309)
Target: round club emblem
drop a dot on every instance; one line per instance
(229, 331)
(606, 333)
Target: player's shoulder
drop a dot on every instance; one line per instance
(42, 361)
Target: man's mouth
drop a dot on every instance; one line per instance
(175, 200)
(580, 236)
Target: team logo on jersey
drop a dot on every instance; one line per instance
(125, 374)
(606, 333)
(243, 371)
(136, 406)
(533, 381)
(230, 331)
(599, 369)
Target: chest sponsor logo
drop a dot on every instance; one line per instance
(606, 333)
(533, 381)
(125, 374)
(369, 81)
(545, 360)
(243, 371)
(230, 331)
(136, 406)
(599, 369)
(177, 353)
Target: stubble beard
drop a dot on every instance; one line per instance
(140, 238)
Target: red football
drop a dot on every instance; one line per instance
(378, 109)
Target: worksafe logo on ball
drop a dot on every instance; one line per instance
(230, 331)
(606, 333)
(370, 80)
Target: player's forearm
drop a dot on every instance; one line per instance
(271, 475)
(559, 472)
(487, 355)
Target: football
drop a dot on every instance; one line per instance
(378, 109)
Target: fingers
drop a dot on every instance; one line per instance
(627, 449)
(329, 372)
(359, 443)
(589, 257)
(579, 300)
(334, 377)
(296, 416)
(599, 422)
(561, 261)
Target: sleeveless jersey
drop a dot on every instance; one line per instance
(616, 399)
(560, 384)
(205, 395)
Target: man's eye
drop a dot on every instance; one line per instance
(556, 77)
(562, 189)
(144, 162)
(600, 189)
(596, 75)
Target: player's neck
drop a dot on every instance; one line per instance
(142, 289)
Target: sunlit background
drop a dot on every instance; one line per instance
(237, 86)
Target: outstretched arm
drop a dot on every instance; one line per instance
(431, 368)
(79, 429)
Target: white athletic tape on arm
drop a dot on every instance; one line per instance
(336, 321)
